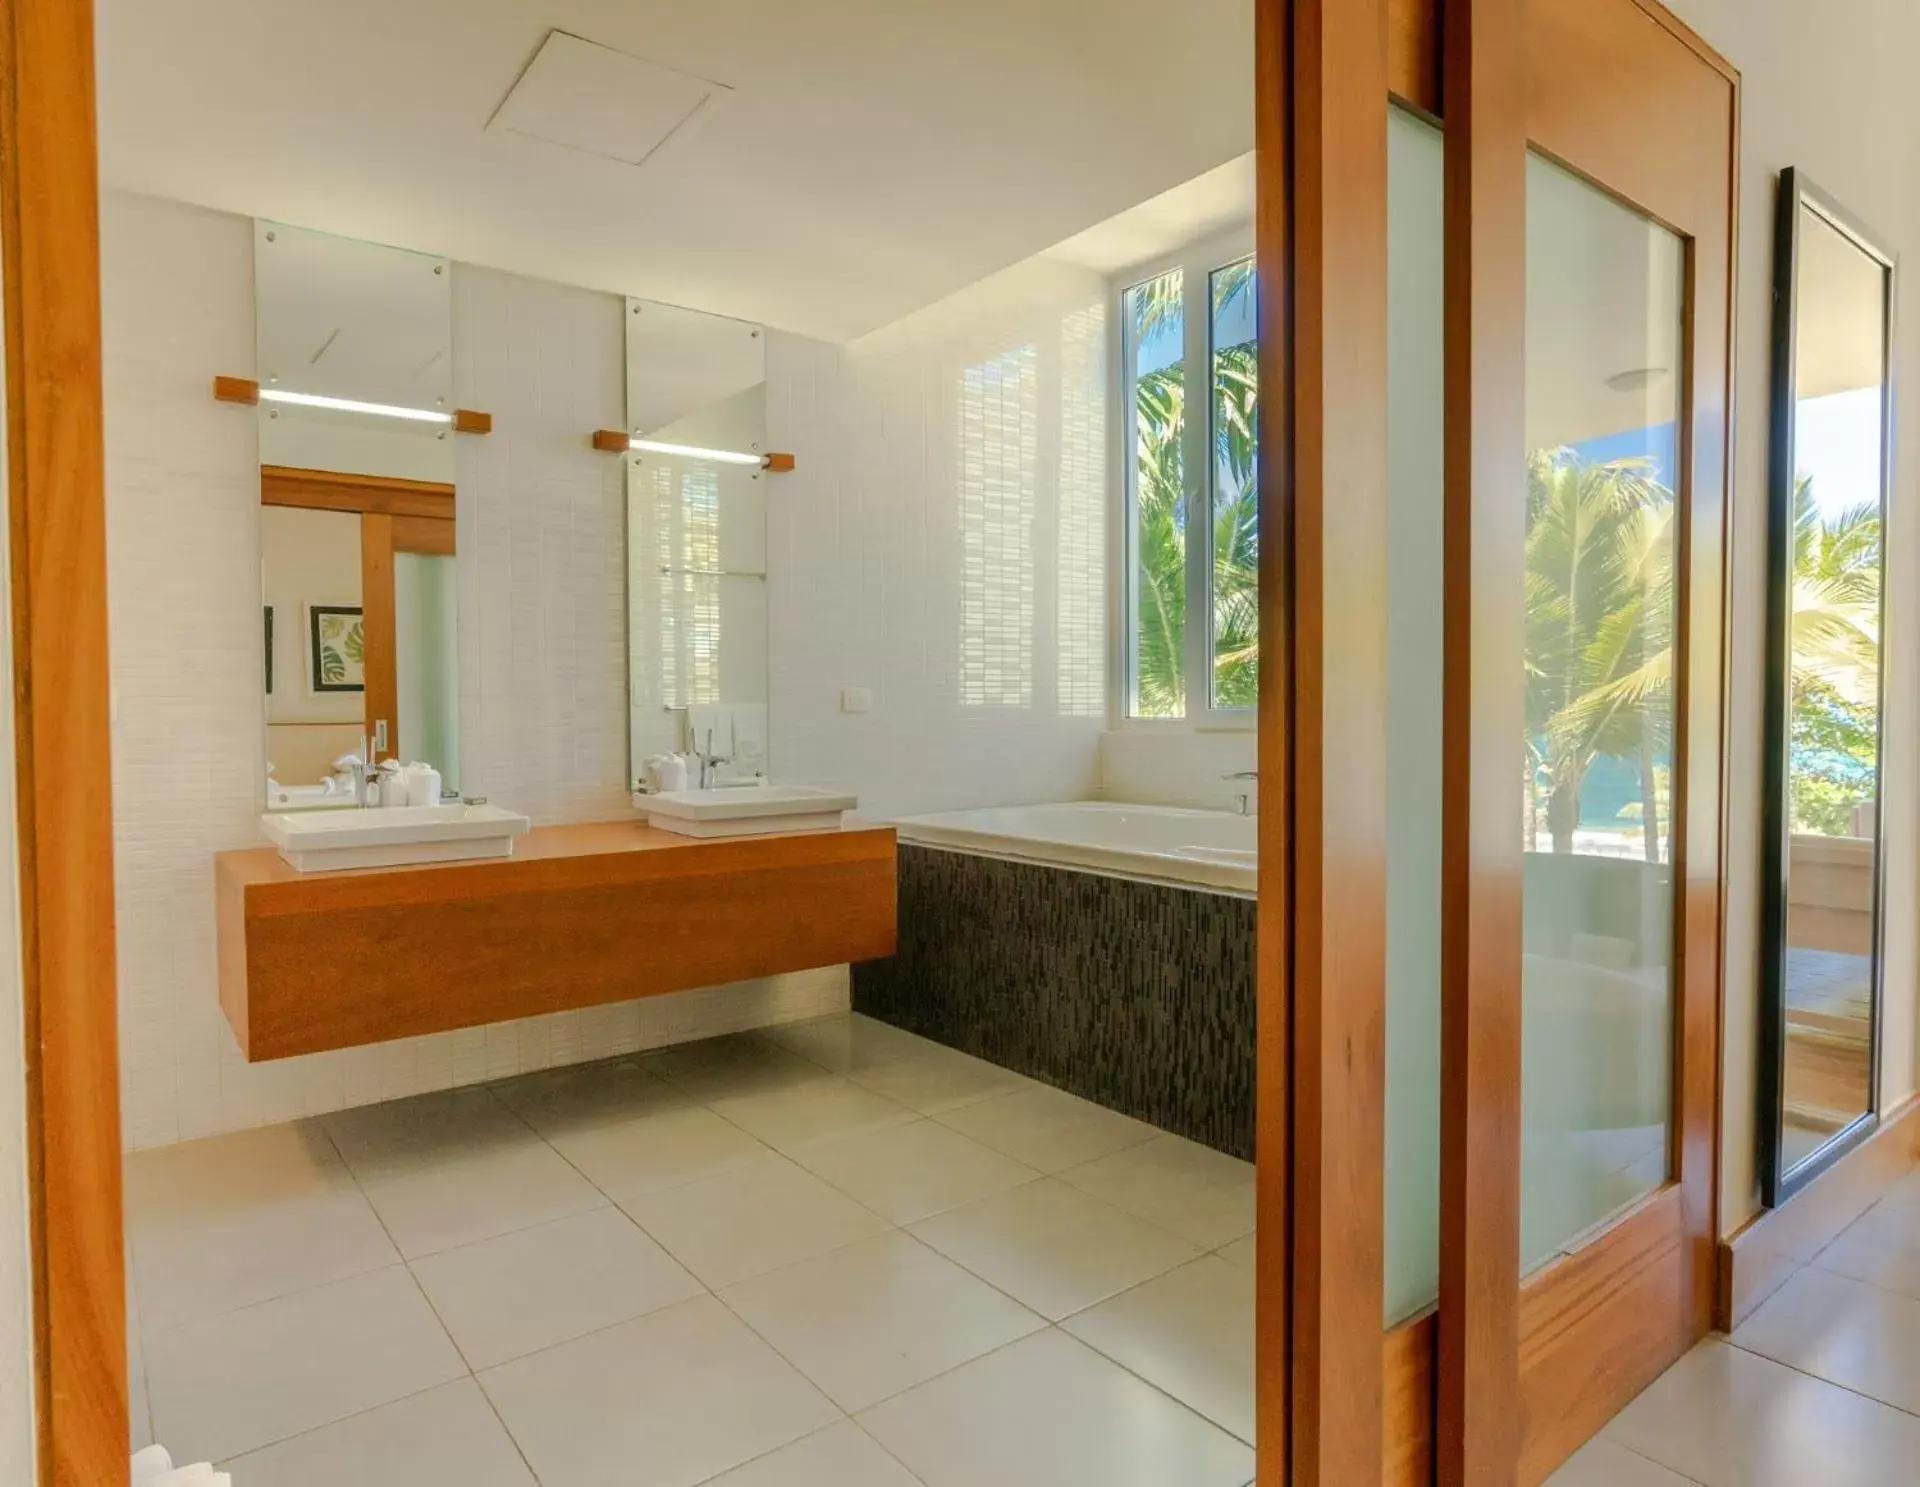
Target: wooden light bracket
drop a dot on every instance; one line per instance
(246, 390)
(615, 441)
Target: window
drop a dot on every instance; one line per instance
(1191, 325)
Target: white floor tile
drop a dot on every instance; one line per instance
(1844, 1331)
(1190, 1332)
(758, 1217)
(1725, 1417)
(1604, 1463)
(842, 1455)
(449, 1435)
(1181, 1185)
(1048, 1128)
(720, 1067)
(668, 1400)
(816, 1110)
(847, 1042)
(1053, 1247)
(514, 1295)
(558, 1101)
(940, 1079)
(1050, 1412)
(1881, 1247)
(912, 1172)
(462, 1200)
(233, 1220)
(224, 1385)
(662, 1149)
(871, 1319)
(456, 1123)
(1241, 1252)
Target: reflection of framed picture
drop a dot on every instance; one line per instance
(267, 610)
(336, 650)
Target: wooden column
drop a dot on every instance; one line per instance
(50, 240)
(379, 632)
(1332, 522)
(1483, 80)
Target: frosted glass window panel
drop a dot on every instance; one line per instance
(1080, 542)
(338, 318)
(1415, 661)
(427, 655)
(1154, 348)
(997, 455)
(1605, 291)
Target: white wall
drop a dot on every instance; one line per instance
(942, 544)
(542, 660)
(1828, 89)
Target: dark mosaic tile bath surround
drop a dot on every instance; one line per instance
(1137, 996)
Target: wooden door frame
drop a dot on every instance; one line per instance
(49, 221)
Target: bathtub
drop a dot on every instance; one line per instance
(1104, 949)
(1161, 844)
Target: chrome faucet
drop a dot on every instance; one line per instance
(707, 760)
(362, 771)
(1245, 797)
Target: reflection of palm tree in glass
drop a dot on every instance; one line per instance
(1836, 663)
(1160, 410)
(1599, 636)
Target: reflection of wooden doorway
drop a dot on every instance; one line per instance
(396, 516)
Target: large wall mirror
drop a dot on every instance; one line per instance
(696, 542)
(357, 525)
(1831, 456)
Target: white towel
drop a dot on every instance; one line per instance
(749, 737)
(153, 1467)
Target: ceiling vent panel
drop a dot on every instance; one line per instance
(591, 98)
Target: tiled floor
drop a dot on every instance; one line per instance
(1820, 1387)
(827, 1254)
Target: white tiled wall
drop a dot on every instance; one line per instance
(542, 674)
(1178, 766)
(942, 546)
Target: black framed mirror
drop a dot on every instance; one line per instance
(1832, 424)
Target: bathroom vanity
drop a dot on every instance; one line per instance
(577, 917)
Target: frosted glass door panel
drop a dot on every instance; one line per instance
(1604, 376)
(1415, 633)
(426, 607)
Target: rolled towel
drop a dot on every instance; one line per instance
(150, 1465)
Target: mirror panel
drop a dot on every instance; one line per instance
(1834, 293)
(359, 602)
(696, 539)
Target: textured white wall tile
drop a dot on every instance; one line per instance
(542, 665)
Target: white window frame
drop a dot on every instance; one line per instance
(1198, 262)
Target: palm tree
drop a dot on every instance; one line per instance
(1835, 660)
(1599, 631)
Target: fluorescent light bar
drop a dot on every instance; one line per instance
(348, 405)
(693, 452)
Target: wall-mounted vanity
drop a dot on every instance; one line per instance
(360, 928)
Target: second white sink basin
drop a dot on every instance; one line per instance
(325, 841)
(748, 810)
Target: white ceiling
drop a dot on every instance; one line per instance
(872, 156)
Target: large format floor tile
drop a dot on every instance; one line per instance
(1605, 1463)
(660, 1149)
(455, 1123)
(842, 1455)
(874, 1318)
(224, 1385)
(223, 1223)
(1725, 1417)
(912, 1172)
(669, 1400)
(1178, 1184)
(447, 1435)
(848, 1042)
(556, 1102)
(461, 1200)
(1881, 1247)
(720, 1068)
(1048, 1128)
(1050, 1412)
(939, 1079)
(1849, 1333)
(790, 1116)
(1053, 1247)
(758, 1217)
(514, 1295)
(1190, 1332)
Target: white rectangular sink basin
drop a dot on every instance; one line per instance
(747, 810)
(325, 841)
